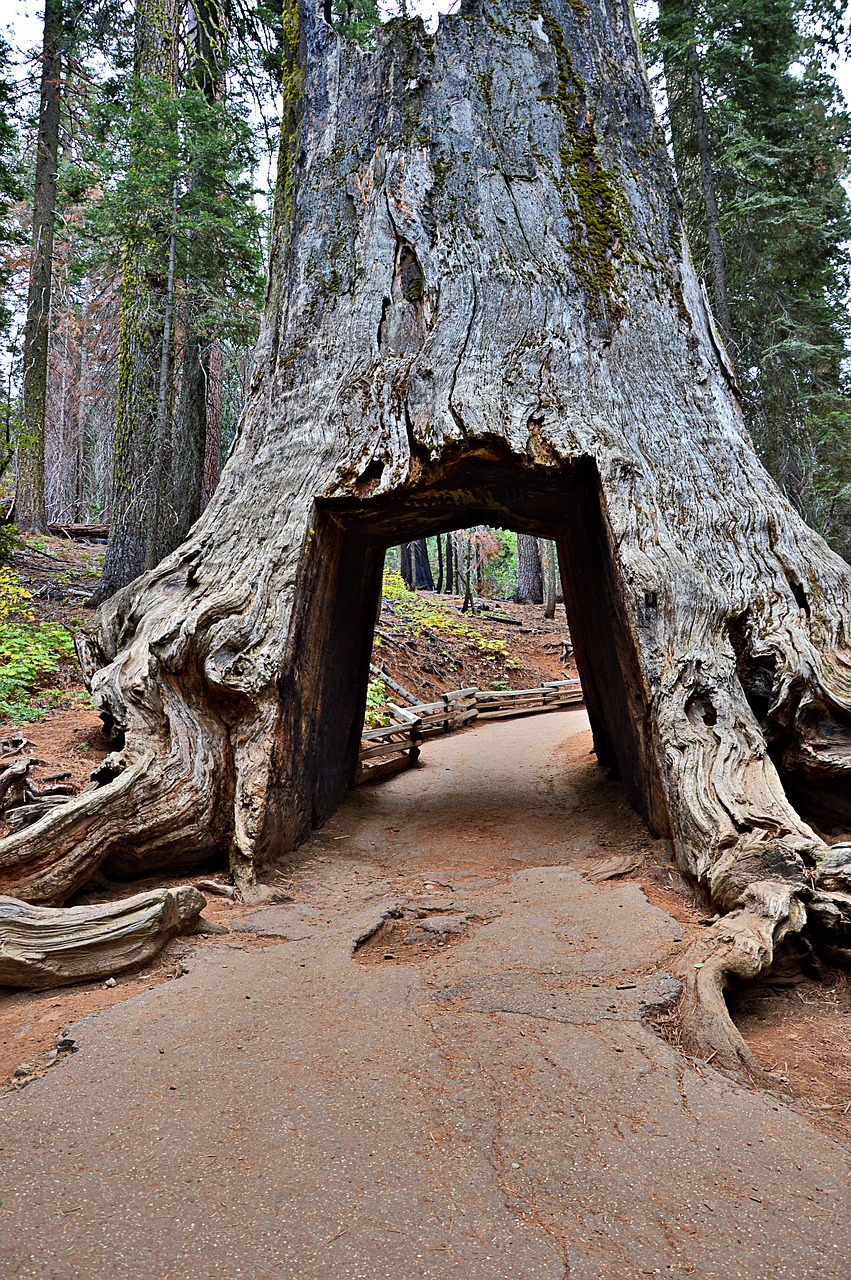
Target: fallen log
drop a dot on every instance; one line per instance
(75, 530)
(53, 946)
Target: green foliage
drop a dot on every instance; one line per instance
(28, 653)
(376, 698)
(181, 143)
(10, 184)
(430, 614)
(780, 138)
(8, 542)
(420, 614)
(356, 19)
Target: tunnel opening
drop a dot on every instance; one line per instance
(323, 687)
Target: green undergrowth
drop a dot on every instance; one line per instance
(421, 615)
(30, 652)
(376, 698)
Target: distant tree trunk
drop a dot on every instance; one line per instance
(406, 565)
(212, 364)
(188, 440)
(449, 579)
(548, 563)
(553, 366)
(422, 566)
(169, 454)
(142, 419)
(82, 415)
(30, 513)
(530, 582)
(439, 542)
(197, 427)
(690, 138)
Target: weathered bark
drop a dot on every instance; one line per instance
(530, 580)
(48, 947)
(482, 310)
(30, 511)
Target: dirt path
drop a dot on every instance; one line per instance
(430, 1063)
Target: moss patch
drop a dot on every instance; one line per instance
(601, 231)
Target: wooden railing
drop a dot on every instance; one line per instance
(397, 745)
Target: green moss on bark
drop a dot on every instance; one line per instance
(601, 231)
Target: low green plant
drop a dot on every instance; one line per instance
(29, 651)
(376, 697)
(9, 540)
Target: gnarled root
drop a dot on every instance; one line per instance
(50, 947)
(738, 948)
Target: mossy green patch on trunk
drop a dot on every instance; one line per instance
(601, 229)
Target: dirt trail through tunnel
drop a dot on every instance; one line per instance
(430, 1063)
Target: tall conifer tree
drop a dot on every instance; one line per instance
(761, 142)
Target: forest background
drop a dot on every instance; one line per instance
(137, 203)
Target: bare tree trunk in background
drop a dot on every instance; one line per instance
(547, 553)
(439, 541)
(691, 142)
(553, 366)
(449, 579)
(212, 363)
(422, 566)
(82, 415)
(134, 504)
(530, 582)
(468, 572)
(406, 565)
(197, 427)
(30, 513)
(164, 521)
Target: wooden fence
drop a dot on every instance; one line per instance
(397, 745)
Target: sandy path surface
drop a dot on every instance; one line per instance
(430, 1063)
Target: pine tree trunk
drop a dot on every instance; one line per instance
(143, 415)
(548, 566)
(422, 566)
(482, 310)
(406, 565)
(690, 138)
(212, 366)
(530, 582)
(30, 513)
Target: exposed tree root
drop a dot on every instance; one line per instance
(738, 948)
(50, 947)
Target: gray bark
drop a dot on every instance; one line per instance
(49, 947)
(548, 568)
(482, 310)
(530, 581)
(30, 512)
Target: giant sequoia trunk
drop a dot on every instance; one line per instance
(482, 310)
